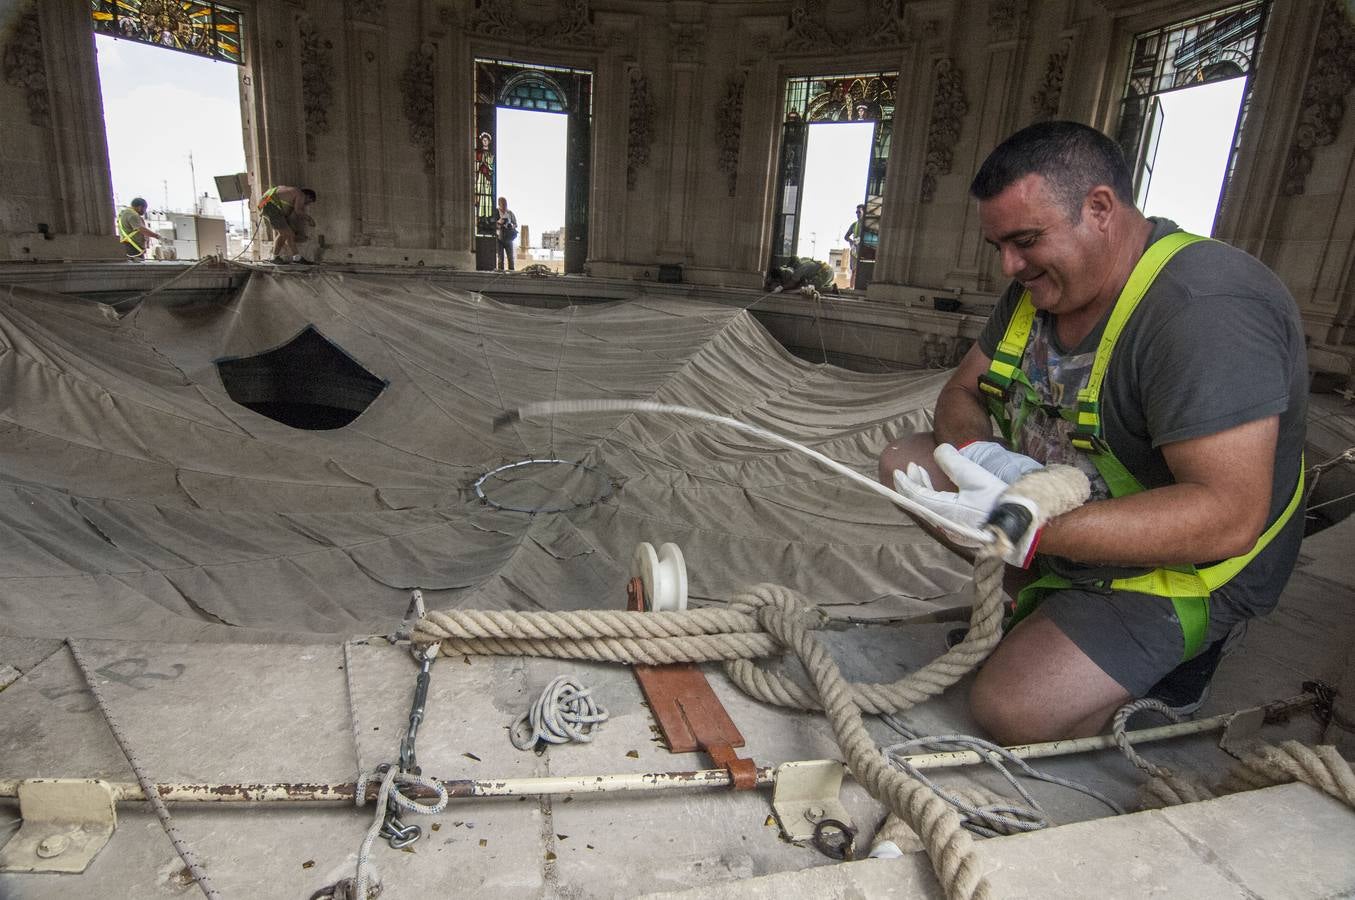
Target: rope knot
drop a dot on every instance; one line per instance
(796, 609)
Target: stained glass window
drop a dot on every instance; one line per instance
(501, 83)
(1213, 47)
(842, 98)
(533, 91)
(205, 29)
(825, 99)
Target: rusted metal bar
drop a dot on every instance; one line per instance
(309, 791)
(343, 792)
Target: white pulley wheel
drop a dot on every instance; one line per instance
(664, 575)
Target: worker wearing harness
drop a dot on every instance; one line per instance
(285, 207)
(132, 230)
(1171, 370)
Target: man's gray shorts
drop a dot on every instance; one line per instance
(1134, 638)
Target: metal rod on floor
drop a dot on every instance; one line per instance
(653, 781)
(316, 792)
(1272, 712)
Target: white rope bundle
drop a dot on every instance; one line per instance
(565, 711)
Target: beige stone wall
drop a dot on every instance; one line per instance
(371, 103)
(53, 159)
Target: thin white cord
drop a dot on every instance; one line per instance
(579, 407)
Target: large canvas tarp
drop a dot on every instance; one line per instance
(138, 499)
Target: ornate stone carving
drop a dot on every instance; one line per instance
(1323, 105)
(948, 110)
(688, 39)
(940, 352)
(317, 79)
(416, 85)
(500, 19)
(1004, 18)
(813, 28)
(729, 129)
(1045, 101)
(373, 11)
(641, 133)
(25, 67)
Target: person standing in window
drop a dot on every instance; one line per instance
(506, 231)
(853, 238)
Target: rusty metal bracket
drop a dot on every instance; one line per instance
(806, 794)
(66, 822)
(689, 714)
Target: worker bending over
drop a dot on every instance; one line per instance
(1171, 370)
(285, 209)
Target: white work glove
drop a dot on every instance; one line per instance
(1005, 464)
(970, 506)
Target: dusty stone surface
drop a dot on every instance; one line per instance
(1219, 850)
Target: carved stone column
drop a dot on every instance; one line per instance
(748, 227)
(78, 148)
(904, 237)
(996, 98)
(613, 224)
(276, 110)
(369, 121)
(687, 39)
(453, 129)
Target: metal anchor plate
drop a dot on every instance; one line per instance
(66, 822)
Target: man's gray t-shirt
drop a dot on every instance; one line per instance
(1216, 342)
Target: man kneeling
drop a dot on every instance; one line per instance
(1191, 433)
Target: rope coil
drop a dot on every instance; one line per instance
(565, 711)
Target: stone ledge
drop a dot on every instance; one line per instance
(1281, 842)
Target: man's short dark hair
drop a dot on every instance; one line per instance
(310, 195)
(138, 201)
(1071, 157)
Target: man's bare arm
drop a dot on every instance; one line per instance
(1217, 508)
(961, 415)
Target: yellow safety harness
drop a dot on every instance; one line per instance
(271, 196)
(1187, 586)
(128, 237)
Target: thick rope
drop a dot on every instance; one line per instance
(949, 846)
(985, 630)
(1321, 767)
(787, 617)
(472, 625)
(672, 637)
(894, 835)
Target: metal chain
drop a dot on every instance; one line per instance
(147, 786)
(396, 832)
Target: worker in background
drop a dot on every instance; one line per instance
(505, 232)
(800, 272)
(1191, 434)
(132, 230)
(853, 239)
(285, 208)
